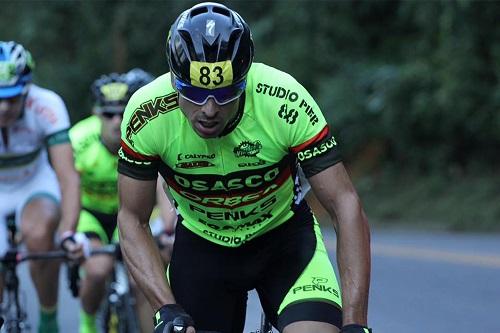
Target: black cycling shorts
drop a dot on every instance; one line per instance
(97, 225)
(288, 266)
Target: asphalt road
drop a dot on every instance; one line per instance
(421, 282)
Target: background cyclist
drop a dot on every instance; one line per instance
(96, 140)
(34, 121)
(228, 134)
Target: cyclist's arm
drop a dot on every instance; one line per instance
(336, 193)
(61, 157)
(137, 198)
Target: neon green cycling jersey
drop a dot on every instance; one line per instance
(96, 165)
(244, 183)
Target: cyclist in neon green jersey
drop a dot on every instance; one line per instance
(228, 135)
(96, 141)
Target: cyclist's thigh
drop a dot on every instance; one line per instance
(300, 283)
(205, 282)
(36, 199)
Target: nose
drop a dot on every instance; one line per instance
(209, 109)
(118, 118)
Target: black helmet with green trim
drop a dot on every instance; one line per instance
(112, 91)
(210, 46)
(16, 66)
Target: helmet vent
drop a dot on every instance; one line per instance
(189, 44)
(222, 11)
(198, 11)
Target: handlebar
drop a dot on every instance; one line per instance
(16, 256)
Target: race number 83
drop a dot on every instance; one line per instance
(211, 75)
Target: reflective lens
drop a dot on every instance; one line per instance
(200, 96)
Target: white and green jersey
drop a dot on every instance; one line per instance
(244, 183)
(44, 121)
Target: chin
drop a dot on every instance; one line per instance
(207, 136)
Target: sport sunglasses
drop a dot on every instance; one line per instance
(111, 115)
(200, 96)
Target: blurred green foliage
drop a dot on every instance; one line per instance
(417, 79)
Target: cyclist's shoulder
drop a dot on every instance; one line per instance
(86, 125)
(40, 95)
(150, 107)
(85, 130)
(269, 87)
(46, 109)
(266, 74)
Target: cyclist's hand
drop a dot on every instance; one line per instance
(76, 245)
(354, 328)
(171, 318)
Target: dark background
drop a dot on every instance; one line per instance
(411, 88)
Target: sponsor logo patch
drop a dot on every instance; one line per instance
(315, 151)
(247, 149)
(148, 111)
(194, 164)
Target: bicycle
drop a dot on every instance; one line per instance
(13, 311)
(117, 313)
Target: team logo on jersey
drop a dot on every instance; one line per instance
(276, 91)
(289, 115)
(318, 150)
(313, 118)
(149, 110)
(247, 149)
(182, 156)
(194, 164)
(251, 164)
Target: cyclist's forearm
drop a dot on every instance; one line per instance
(70, 202)
(353, 248)
(143, 260)
(61, 156)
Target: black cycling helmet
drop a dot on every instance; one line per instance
(112, 91)
(210, 33)
(16, 66)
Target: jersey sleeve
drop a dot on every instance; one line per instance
(138, 158)
(309, 136)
